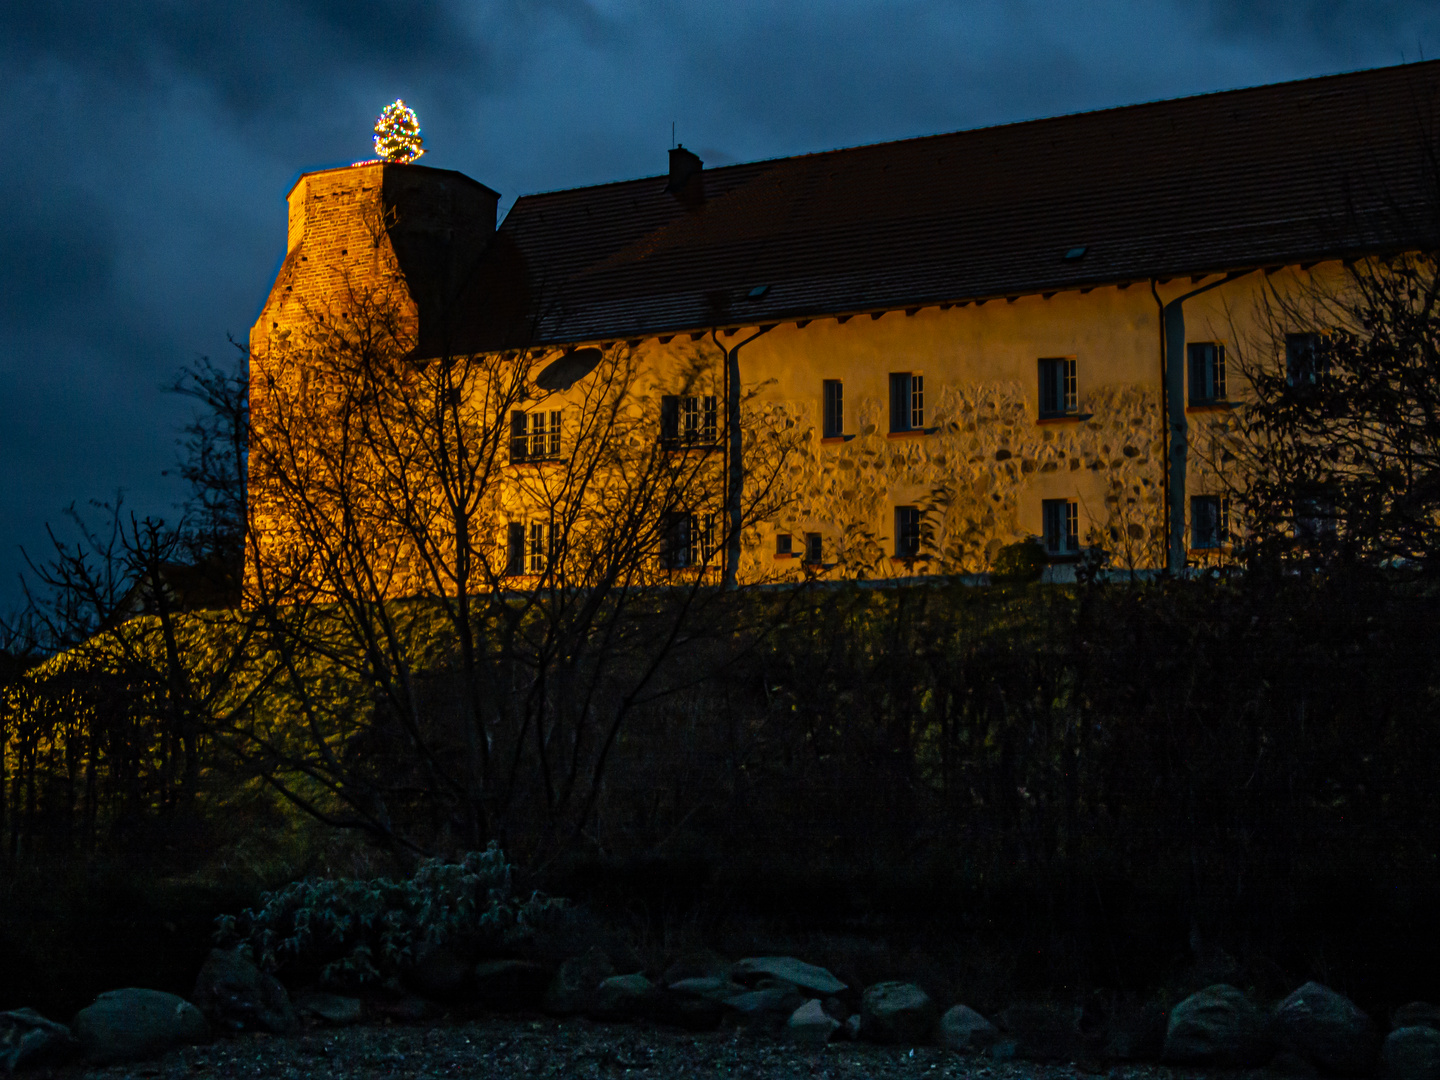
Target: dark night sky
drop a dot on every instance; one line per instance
(151, 143)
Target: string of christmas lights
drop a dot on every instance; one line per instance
(397, 134)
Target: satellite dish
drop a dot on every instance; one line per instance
(569, 369)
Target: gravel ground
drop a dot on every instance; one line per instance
(502, 1048)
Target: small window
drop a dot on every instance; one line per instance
(907, 401)
(834, 425)
(1209, 521)
(534, 436)
(539, 547)
(782, 544)
(515, 548)
(1061, 526)
(908, 532)
(814, 548)
(689, 420)
(1207, 372)
(1304, 359)
(1059, 394)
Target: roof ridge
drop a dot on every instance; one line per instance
(1035, 120)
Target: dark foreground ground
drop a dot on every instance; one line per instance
(505, 1048)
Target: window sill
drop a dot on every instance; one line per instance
(536, 460)
(1065, 418)
(909, 560)
(1210, 406)
(913, 433)
(674, 447)
(784, 555)
(824, 439)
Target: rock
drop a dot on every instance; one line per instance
(852, 1026)
(626, 997)
(1043, 1032)
(809, 1025)
(509, 984)
(1411, 1053)
(699, 1004)
(1327, 1029)
(787, 969)
(236, 995)
(1217, 1026)
(439, 973)
(897, 1012)
(965, 1031)
(696, 965)
(710, 988)
(134, 1024)
(27, 1038)
(1416, 1014)
(766, 1009)
(328, 1008)
(573, 988)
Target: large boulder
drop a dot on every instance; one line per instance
(965, 1031)
(237, 996)
(134, 1024)
(1327, 1030)
(897, 1012)
(29, 1039)
(810, 1025)
(797, 973)
(1411, 1053)
(573, 988)
(767, 1009)
(324, 1007)
(1416, 1014)
(1217, 1026)
(626, 997)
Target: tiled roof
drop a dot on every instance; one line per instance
(1275, 174)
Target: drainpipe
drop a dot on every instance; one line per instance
(1172, 395)
(735, 455)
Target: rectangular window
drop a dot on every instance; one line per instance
(907, 401)
(689, 420)
(1304, 359)
(834, 425)
(1059, 391)
(539, 547)
(1207, 372)
(814, 548)
(782, 544)
(534, 436)
(1061, 525)
(515, 548)
(1209, 521)
(1315, 519)
(908, 532)
(687, 540)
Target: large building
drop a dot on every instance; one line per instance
(1023, 330)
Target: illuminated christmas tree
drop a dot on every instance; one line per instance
(397, 134)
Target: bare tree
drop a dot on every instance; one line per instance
(472, 569)
(1336, 456)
